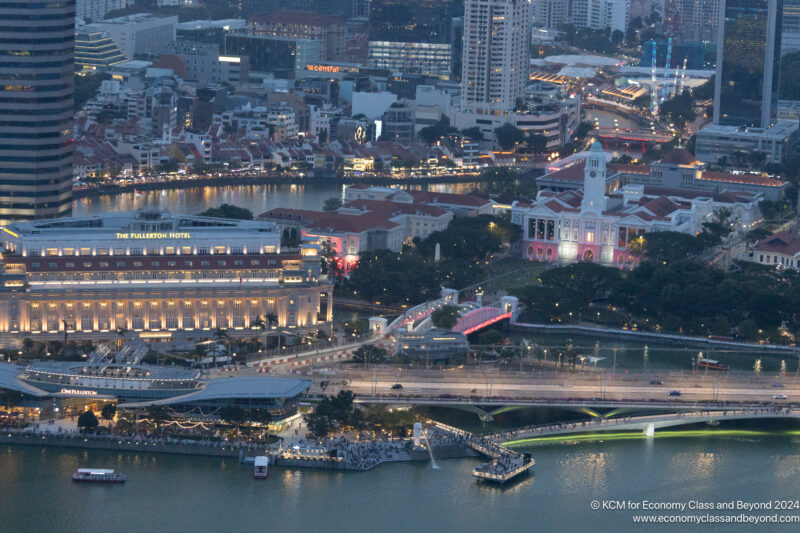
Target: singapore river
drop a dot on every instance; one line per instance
(198, 494)
(256, 198)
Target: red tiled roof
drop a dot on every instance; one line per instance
(332, 221)
(747, 179)
(661, 206)
(467, 200)
(391, 209)
(782, 243)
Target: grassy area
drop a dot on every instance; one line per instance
(511, 274)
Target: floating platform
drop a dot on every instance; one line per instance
(496, 472)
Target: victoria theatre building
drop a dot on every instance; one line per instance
(155, 273)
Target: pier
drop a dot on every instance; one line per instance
(504, 465)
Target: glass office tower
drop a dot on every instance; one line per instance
(748, 58)
(36, 108)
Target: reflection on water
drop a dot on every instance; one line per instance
(582, 468)
(257, 198)
(212, 494)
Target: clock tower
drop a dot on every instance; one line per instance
(594, 181)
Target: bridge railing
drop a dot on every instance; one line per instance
(638, 420)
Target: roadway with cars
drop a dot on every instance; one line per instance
(563, 385)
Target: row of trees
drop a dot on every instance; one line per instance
(671, 291)
(413, 275)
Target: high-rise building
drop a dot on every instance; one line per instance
(790, 36)
(495, 61)
(748, 63)
(36, 108)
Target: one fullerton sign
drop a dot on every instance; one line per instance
(79, 392)
(156, 235)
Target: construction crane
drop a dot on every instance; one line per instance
(675, 82)
(683, 76)
(654, 91)
(666, 70)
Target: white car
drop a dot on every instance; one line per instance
(778, 396)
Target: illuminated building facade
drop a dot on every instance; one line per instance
(593, 226)
(155, 273)
(431, 59)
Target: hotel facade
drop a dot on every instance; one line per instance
(154, 273)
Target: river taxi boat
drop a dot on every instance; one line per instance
(98, 475)
(711, 364)
(261, 467)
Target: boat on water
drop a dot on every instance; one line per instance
(98, 475)
(261, 467)
(711, 364)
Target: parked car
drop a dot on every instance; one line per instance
(778, 396)
(656, 381)
(397, 386)
(674, 393)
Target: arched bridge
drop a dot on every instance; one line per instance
(479, 318)
(646, 424)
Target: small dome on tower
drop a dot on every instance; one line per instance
(596, 147)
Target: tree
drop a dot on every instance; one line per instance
(508, 136)
(446, 316)
(232, 414)
(368, 354)
(87, 422)
(617, 36)
(536, 142)
(670, 247)
(228, 211)
(271, 318)
(86, 87)
(473, 133)
(490, 337)
(158, 414)
(332, 204)
(109, 411)
(679, 110)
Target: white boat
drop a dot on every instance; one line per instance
(261, 467)
(98, 475)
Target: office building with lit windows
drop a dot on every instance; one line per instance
(155, 273)
(36, 108)
(748, 63)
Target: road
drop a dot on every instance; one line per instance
(554, 386)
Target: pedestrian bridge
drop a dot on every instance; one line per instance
(475, 315)
(647, 424)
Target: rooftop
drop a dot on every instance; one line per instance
(782, 243)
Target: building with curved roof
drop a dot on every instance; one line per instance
(44, 387)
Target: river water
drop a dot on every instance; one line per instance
(199, 494)
(257, 198)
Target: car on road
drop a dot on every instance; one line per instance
(397, 386)
(656, 381)
(778, 396)
(674, 393)
(445, 396)
(777, 385)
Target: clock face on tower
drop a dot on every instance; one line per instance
(592, 174)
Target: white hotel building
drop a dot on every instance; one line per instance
(154, 273)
